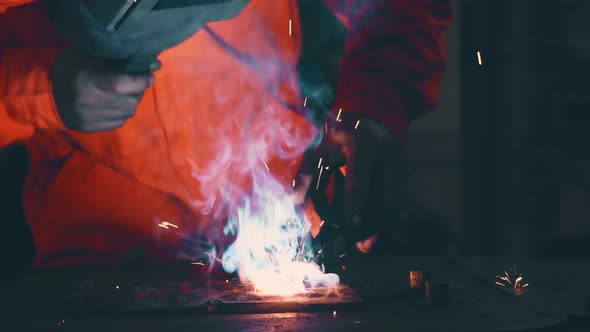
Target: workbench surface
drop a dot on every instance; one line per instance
(556, 300)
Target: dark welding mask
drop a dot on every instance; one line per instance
(132, 33)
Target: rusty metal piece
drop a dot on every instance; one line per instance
(416, 279)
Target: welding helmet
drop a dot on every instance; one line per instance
(133, 33)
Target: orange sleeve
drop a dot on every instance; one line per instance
(5, 4)
(26, 99)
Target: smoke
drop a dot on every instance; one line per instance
(272, 247)
(241, 190)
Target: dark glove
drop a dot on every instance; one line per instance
(334, 249)
(375, 179)
(91, 96)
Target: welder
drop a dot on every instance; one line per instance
(113, 151)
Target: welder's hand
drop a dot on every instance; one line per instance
(91, 96)
(374, 179)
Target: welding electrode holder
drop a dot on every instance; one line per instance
(375, 149)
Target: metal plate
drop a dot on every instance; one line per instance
(232, 296)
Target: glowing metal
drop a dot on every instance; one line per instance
(165, 223)
(265, 164)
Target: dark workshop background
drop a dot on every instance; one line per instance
(504, 161)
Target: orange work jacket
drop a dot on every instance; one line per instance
(230, 92)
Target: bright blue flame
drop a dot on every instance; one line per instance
(271, 248)
(271, 239)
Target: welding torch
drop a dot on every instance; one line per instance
(131, 34)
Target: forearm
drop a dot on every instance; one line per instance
(394, 60)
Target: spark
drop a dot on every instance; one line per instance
(293, 183)
(344, 267)
(343, 255)
(334, 313)
(320, 163)
(317, 256)
(117, 287)
(338, 116)
(327, 168)
(317, 186)
(322, 223)
(226, 281)
(165, 223)
(191, 162)
(290, 27)
(479, 58)
(197, 263)
(357, 124)
(163, 226)
(213, 256)
(265, 164)
(513, 279)
(517, 281)
(305, 102)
